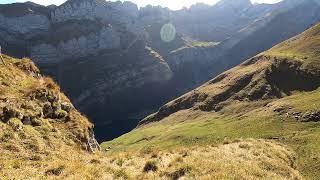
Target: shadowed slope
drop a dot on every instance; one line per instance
(290, 66)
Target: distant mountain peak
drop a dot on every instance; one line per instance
(234, 3)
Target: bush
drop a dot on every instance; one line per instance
(36, 122)
(95, 161)
(182, 171)
(121, 174)
(244, 146)
(27, 66)
(55, 171)
(120, 162)
(32, 145)
(60, 114)
(150, 166)
(7, 136)
(15, 123)
(35, 158)
(147, 150)
(11, 147)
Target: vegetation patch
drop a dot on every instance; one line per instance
(121, 174)
(182, 171)
(150, 166)
(55, 171)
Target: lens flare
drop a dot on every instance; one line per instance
(168, 32)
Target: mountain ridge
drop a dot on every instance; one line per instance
(273, 95)
(289, 70)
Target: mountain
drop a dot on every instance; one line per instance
(273, 95)
(107, 56)
(42, 136)
(120, 61)
(259, 120)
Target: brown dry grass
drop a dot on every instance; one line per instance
(242, 159)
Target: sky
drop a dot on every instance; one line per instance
(172, 4)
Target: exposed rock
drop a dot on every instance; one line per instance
(10, 112)
(66, 106)
(28, 25)
(92, 144)
(36, 102)
(26, 120)
(48, 111)
(311, 116)
(28, 67)
(91, 44)
(119, 12)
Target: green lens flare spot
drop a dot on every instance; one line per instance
(168, 33)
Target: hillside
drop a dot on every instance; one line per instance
(117, 54)
(39, 127)
(274, 95)
(42, 136)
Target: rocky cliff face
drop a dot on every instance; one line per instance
(47, 53)
(108, 12)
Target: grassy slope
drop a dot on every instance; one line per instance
(50, 147)
(37, 146)
(195, 44)
(268, 119)
(304, 47)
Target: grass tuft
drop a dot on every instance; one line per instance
(150, 166)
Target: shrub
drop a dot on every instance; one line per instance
(32, 145)
(60, 114)
(244, 146)
(7, 136)
(120, 162)
(154, 155)
(226, 141)
(150, 166)
(182, 171)
(51, 98)
(16, 164)
(11, 147)
(121, 174)
(35, 158)
(27, 66)
(55, 171)
(95, 161)
(179, 159)
(36, 122)
(147, 150)
(15, 123)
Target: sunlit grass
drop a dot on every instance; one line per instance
(195, 44)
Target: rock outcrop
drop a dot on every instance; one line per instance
(29, 100)
(106, 39)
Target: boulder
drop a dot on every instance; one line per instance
(66, 107)
(311, 116)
